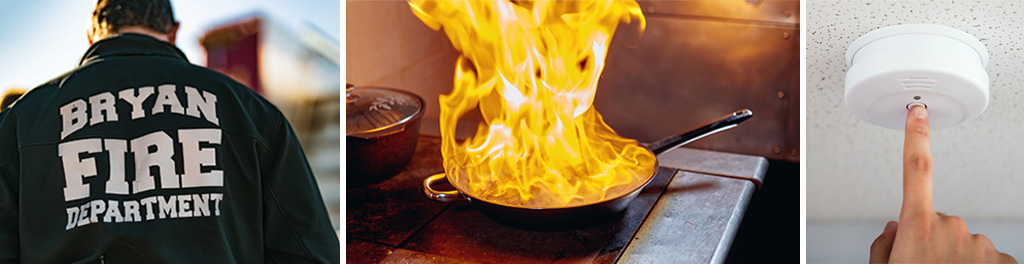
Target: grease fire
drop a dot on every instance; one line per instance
(531, 68)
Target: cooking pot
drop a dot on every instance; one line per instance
(381, 130)
(577, 216)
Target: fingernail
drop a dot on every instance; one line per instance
(920, 112)
(889, 225)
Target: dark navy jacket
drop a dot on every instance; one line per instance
(139, 156)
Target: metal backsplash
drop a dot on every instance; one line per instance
(699, 60)
(696, 61)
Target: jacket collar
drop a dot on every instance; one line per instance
(130, 44)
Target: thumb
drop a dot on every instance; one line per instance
(882, 246)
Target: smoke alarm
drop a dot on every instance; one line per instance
(896, 67)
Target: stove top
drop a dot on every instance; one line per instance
(392, 221)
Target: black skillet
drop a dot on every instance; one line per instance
(578, 216)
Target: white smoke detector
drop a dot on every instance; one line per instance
(939, 67)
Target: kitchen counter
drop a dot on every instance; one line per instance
(689, 213)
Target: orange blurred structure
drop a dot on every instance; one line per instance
(298, 71)
(10, 96)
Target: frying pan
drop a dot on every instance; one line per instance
(577, 216)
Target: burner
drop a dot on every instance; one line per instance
(392, 219)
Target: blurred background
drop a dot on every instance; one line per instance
(697, 61)
(854, 168)
(288, 51)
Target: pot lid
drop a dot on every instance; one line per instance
(377, 110)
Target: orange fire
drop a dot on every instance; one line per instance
(532, 70)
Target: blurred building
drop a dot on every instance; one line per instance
(10, 96)
(296, 70)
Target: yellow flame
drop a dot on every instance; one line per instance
(532, 70)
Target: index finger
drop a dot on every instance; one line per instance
(917, 166)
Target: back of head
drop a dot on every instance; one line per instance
(111, 15)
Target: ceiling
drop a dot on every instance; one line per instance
(854, 169)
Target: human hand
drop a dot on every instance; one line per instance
(922, 235)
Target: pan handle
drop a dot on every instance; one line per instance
(719, 125)
(441, 196)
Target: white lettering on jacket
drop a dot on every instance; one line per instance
(101, 107)
(154, 157)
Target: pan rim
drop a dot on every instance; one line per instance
(473, 198)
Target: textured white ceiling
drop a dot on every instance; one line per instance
(854, 168)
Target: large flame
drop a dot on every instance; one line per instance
(532, 70)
